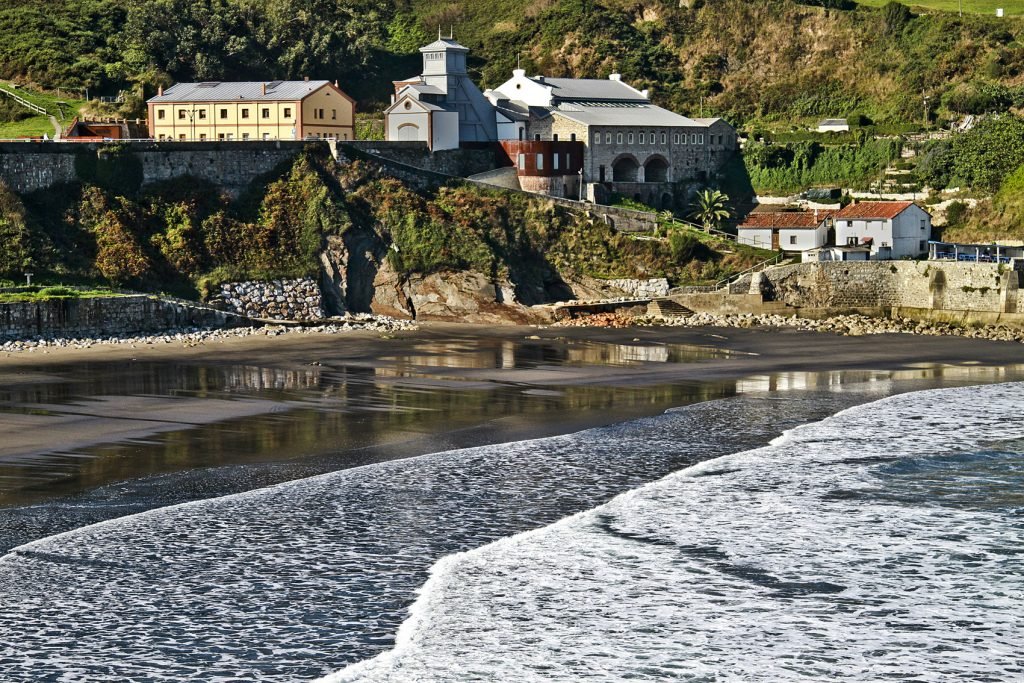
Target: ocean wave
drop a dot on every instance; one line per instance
(884, 542)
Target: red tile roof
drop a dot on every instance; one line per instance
(884, 210)
(784, 220)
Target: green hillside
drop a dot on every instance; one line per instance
(752, 62)
(1010, 7)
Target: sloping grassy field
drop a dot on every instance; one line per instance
(1010, 7)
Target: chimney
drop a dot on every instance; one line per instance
(815, 215)
(540, 79)
(336, 84)
(263, 88)
(614, 77)
(159, 90)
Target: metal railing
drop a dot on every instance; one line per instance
(756, 268)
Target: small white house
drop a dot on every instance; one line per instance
(833, 126)
(792, 231)
(892, 230)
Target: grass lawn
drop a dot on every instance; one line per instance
(37, 125)
(1010, 7)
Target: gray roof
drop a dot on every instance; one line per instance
(424, 89)
(444, 44)
(625, 114)
(707, 121)
(833, 122)
(215, 91)
(590, 89)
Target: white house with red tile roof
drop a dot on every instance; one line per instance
(892, 230)
(786, 230)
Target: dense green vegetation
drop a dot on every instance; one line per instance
(795, 166)
(183, 237)
(776, 60)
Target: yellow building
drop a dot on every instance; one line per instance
(260, 110)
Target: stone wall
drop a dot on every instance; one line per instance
(105, 317)
(297, 299)
(231, 166)
(936, 285)
(641, 289)
(451, 162)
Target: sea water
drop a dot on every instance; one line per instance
(883, 541)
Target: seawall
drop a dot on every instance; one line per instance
(106, 316)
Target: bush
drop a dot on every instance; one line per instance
(956, 212)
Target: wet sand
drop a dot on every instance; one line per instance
(74, 422)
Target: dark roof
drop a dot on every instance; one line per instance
(883, 210)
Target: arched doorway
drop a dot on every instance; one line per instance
(624, 170)
(409, 132)
(656, 170)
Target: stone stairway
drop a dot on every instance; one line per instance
(668, 308)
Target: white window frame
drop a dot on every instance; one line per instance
(618, 138)
(540, 162)
(630, 137)
(643, 139)
(521, 162)
(554, 161)
(597, 138)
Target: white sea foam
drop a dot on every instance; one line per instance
(882, 543)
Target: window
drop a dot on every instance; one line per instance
(631, 137)
(223, 113)
(220, 136)
(265, 113)
(693, 138)
(676, 138)
(568, 161)
(231, 136)
(287, 112)
(554, 138)
(245, 113)
(701, 141)
(643, 139)
(922, 245)
(202, 113)
(160, 113)
(245, 136)
(334, 114)
(182, 137)
(162, 138)
(597, 138)
(266, 136)
(572, 137)
(618, 138)
(664, 138)
(202, 137)
(522, 133)
(554, 164)
(851, 241)
(536, 137)
(849, 224)
(923, 224)
(792, 239)
(522, 162)
(182, 113)
(540, 162)
(607, 138)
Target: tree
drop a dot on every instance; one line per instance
(711, 208)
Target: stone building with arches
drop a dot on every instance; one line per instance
(631, 146)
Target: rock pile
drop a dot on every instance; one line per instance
(298, 299)
(599, 320)
(194, 336)
(850, 325)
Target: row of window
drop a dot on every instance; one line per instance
(521, 161)
(652, 138)
(229, 137)
(244, 113)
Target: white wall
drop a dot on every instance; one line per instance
(908, 233)
(446, 130)
(417, 118)
(755, 237)
(805, 238)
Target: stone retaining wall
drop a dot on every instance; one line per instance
(641, 289)
(105, 317)
(32, 166)
(298, 299)
(935, 285)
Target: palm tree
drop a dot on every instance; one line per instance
(711, 208)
